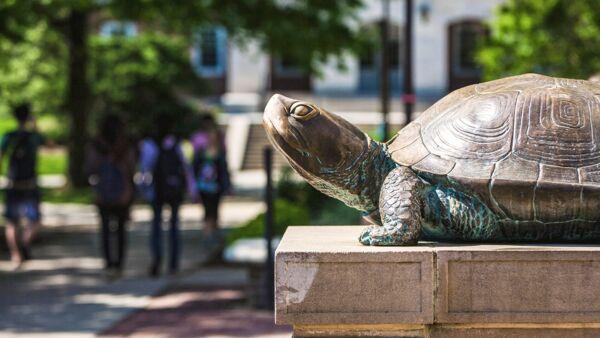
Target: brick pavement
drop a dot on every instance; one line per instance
(199, 312)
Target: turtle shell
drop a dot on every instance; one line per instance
(528, 146)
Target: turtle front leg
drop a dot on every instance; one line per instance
(400, 208)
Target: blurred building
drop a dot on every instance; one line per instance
(446, 33)
(241, 78)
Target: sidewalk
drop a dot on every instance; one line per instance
(45, 181)
(63, 292)
(233, 212)
(247, 182)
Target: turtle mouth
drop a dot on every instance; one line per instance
(297, 137)
(291, 153)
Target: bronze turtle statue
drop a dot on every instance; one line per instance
(515, 159)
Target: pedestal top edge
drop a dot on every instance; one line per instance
(341, 239)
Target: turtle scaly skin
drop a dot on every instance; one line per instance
(400, 208)
(411, 209)
(450, 213)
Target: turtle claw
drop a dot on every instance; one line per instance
(377, 235)
(365, 235)
(383, 236)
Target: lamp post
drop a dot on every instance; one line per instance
(384, 84)
(409, 97)
(269, 268)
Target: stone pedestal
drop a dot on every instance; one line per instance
(328, 285)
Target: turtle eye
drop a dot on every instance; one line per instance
(303, 111)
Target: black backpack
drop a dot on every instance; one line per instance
(22, 160)
(111, 182)
(169, 176)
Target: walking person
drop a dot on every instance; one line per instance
(211, 172)
(111, 166)
(22, 196)
(171, 176)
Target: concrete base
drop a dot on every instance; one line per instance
(327, 284)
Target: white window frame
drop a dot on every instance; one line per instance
(108, 28)
(221, 46)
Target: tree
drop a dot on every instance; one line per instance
(554, 37)
(139, 78)
(69, 20)
(30, 69)
(308, 32)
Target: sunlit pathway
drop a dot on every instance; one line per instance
(63, 289)
(233, 212)
(63, 292)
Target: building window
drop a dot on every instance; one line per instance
(285, 66)
(367, 58)
(463, 38)
(370, 60)
(371, 57)
(114, 28)
(209, 55)
(466, 37)
(288, 74)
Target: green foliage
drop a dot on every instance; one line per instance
(49, 162)
(297, 203)
(62, 54)
(322, 208)
(31, 70)
(137, 77)
(299, 193)
(68, 195)
(334, 212)
(53, 128)
(305, 32)
(554, 37)
(7, 123)
(286, 213)
(52, 163)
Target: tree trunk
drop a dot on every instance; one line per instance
(78, 93)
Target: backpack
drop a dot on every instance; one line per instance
(169, 176)
(22, 160)
(111, 184)
(206, 171)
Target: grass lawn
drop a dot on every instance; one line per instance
(68, 195)
(7, 123)
(52, 161)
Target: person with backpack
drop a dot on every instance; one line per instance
(210, 170)
(111, 166)
(170, 181)
(22, 196)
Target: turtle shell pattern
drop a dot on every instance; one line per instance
(527, 146)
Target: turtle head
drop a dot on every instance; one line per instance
(329, 152)
(314, 141)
